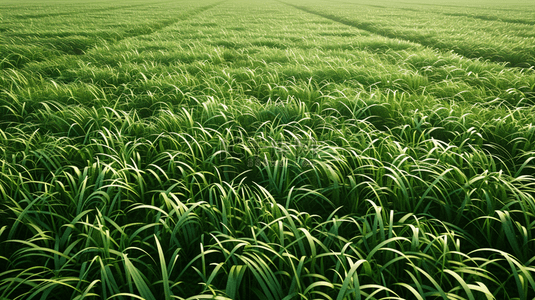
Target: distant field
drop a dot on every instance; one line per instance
(267, 149)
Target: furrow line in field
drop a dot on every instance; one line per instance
(77, 47)
(96, 10)
(491, 18)
(431, 43)
(461, 6)
(366, 26)
(379, 6)
(161, 25)
(480, 17)
(81, 48)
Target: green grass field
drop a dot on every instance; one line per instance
(292, 149)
